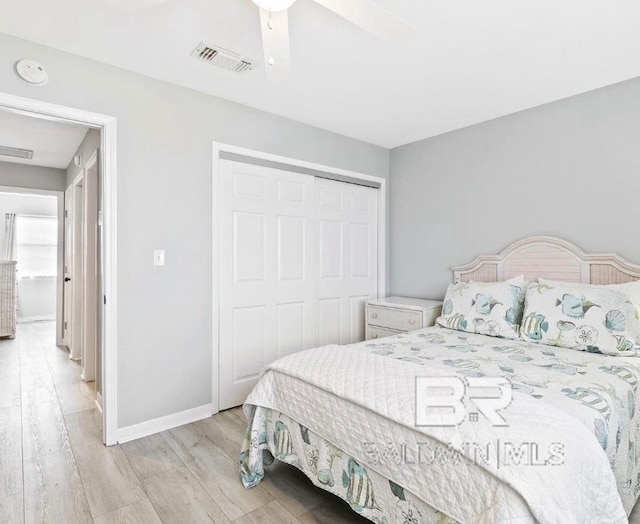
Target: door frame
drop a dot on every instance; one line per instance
(218, 148)
(107, 126)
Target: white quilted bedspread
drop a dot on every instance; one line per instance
(360, 400)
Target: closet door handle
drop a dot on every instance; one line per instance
(67, 279)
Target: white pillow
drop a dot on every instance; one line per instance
(589, 318)
(488, 308)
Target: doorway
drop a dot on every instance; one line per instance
(44, 154)
(102, 171)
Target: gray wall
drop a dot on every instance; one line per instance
(32, 177)
(164, 201)
(570, 169)
(89, 144)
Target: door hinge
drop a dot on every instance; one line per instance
(66, 214)
(65, 325)
(104, 298)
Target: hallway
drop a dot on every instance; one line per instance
(44, 406)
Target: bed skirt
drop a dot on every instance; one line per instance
(271, 434)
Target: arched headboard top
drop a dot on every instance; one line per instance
(548, 257)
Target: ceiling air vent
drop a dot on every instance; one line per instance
(15, 152)
(220, 57)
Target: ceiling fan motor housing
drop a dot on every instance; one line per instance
(274, 5)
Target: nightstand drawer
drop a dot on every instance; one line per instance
(398, 319)
(377, 332)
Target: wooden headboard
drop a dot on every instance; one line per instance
(548, 257)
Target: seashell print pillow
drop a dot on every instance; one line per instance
(631, 289)
(597, 319)
(493, 309)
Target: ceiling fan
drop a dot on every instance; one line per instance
(274, 21)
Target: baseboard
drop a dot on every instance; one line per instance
(24, 320)
(156, 425)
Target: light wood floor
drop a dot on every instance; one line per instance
(54, 468)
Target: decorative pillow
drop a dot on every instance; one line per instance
(588, 318)
(631, 289)
(493, 309)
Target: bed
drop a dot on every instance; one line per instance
(346, 416)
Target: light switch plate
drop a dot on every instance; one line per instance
(158, 257)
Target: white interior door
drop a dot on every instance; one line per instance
(67, 330)
(298, 259)
(77, 272)
(267, 270)
(90, 270)
(347, 217)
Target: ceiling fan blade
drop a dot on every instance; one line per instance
(275, 44)
(371, 17)
(133, 5)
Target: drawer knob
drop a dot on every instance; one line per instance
(374, 315)
(412, 321)
(375, 336)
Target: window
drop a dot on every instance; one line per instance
(36, 246)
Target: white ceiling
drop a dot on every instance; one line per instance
(467, 61)
(53, 143)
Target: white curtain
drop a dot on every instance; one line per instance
(10, 236)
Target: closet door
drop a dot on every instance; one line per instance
(267, 272)
(347, 216)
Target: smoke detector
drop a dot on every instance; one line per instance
(223, 58)
(32, 72)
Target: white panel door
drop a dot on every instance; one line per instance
(77, 264)
(90, 272)
(347, 218)
(68, 269)
(267, 272)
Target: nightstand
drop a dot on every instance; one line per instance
(392, 315)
